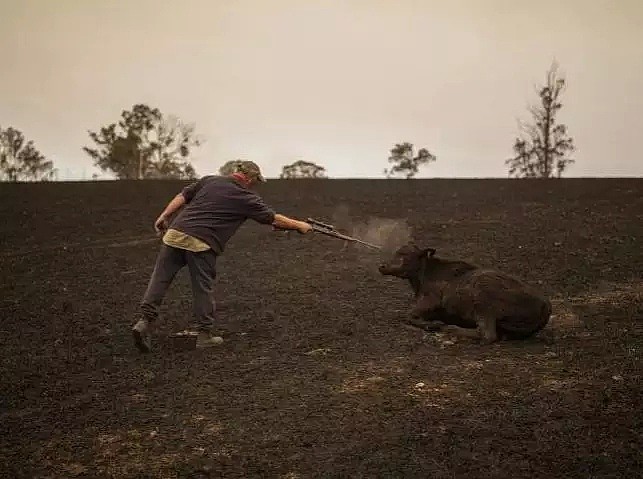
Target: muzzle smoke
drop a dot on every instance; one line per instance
(389, 233)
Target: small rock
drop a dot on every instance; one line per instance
(75, 469)
(617, 377)
(419, 385)
(316, 352)
(375, 379)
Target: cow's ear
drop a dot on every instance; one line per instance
(428, 251)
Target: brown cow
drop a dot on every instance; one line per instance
(461, 294)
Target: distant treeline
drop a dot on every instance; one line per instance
(145, 144)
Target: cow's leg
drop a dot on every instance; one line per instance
(487, 329)
(424, 321)
(419, 323)
(421, 315)
(463, 332)
(425, 304)
(417, 312)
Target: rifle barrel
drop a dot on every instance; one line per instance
(367, 244)
(337, 234)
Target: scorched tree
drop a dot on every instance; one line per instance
(543, 147)
(144, 144)
(302, 169)
(405, 162)
(20, 160)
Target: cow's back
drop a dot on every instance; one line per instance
(520, 310)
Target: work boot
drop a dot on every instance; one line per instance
(205, 340)
(142, 335)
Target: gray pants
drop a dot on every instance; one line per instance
(202, 268)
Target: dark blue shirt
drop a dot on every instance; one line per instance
(216, 206)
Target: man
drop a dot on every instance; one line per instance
(213, 209)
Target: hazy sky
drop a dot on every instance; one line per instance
(335, 82)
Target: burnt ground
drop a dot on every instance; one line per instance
(318, 376)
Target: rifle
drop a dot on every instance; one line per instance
(329, 230)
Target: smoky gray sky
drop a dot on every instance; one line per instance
(334, 82)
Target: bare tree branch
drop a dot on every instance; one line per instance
(543, 153)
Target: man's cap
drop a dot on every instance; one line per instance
(251, 170)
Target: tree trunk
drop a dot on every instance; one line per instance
(547, 135)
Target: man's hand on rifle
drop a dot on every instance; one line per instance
(304, 228)
(282, 222)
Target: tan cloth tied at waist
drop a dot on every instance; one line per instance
(181, 240)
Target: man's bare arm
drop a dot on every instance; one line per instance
(161, 222)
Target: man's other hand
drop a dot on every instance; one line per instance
(160, 225)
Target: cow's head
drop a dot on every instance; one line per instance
(406, 261)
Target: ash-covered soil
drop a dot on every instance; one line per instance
(318, 376)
